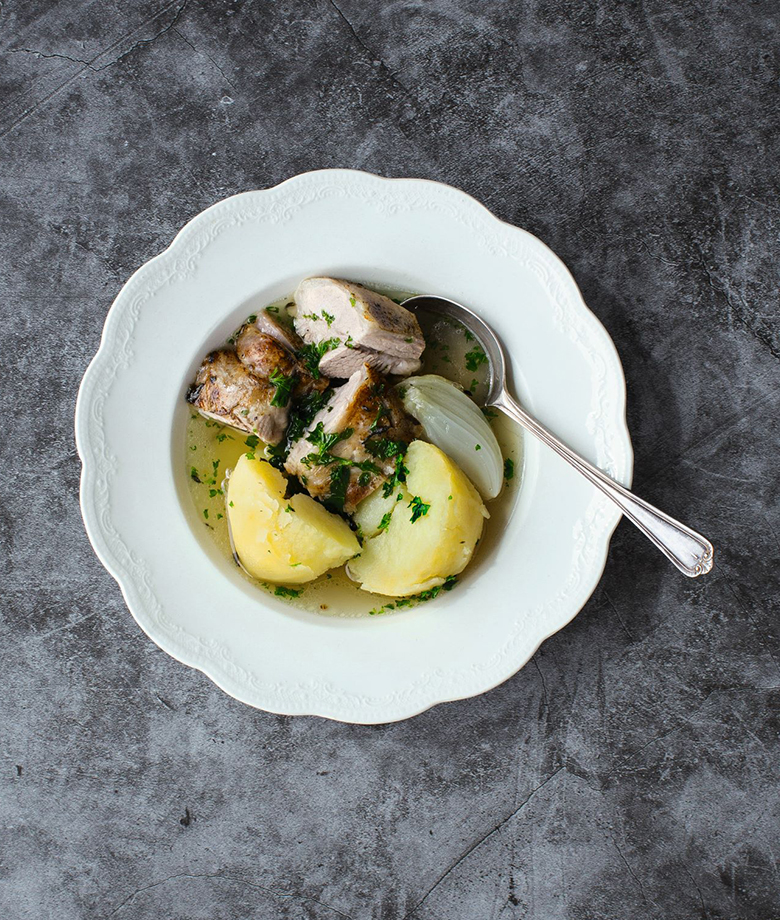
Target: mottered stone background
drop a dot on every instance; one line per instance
(631, 770)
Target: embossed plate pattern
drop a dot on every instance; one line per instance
(251, 249)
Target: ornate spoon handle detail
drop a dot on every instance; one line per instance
(688, 550)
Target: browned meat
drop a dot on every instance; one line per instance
(263, 355)
(382, 333)
(344, 455)
(225, 390)
(267, 358)
(285, 335)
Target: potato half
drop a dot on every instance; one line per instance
(286, 541)
(407, 557)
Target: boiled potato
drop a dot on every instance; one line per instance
(408, 557)
(287, 541)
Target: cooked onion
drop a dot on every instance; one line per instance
(455, 424)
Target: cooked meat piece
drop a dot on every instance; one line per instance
(262, 354)
(285, 335)
(343, 362)
(368, 415)
(380, 330)
(225, 390)
(265, 357)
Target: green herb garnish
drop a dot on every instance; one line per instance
(384, 448)
(509, 469)
(419, 508)
(284, 386)
(328, 317)
(282, 591)
(324, 443)
(310, 355)
(194, 475)
(475, 358)
(399, 475)
(383, 524)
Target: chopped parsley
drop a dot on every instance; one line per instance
(509, 469)
(364, 478)
(310, 355)
(206, 513)
(328, 317)
(194, 475)
(324, 443)
(339, 483)
(477, 447)
(283, 385)
(272, 309)
(449, 583)
(252, 441)
(475, 359)
(399, 475)
(384, 448)
(282, 591)
(469, 336)
(289, 509)
(350, 343)
(383, 524)
(252, 318)
(352, 301)
(304, 411)
(419, 508)
(489, 413)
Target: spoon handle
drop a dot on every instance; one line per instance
(688, 550)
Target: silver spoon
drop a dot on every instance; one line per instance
(688, 550)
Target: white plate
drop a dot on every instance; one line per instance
(410, 234)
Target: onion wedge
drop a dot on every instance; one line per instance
(456, 425)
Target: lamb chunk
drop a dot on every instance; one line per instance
(382, 333)
(226, 391)
(340, 458)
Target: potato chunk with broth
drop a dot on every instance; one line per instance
(415, 542)
(285, 541)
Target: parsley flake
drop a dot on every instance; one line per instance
(475, 358)
(419, 508)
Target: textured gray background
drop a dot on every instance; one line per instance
(631, 770)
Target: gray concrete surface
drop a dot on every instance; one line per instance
(631, 770)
